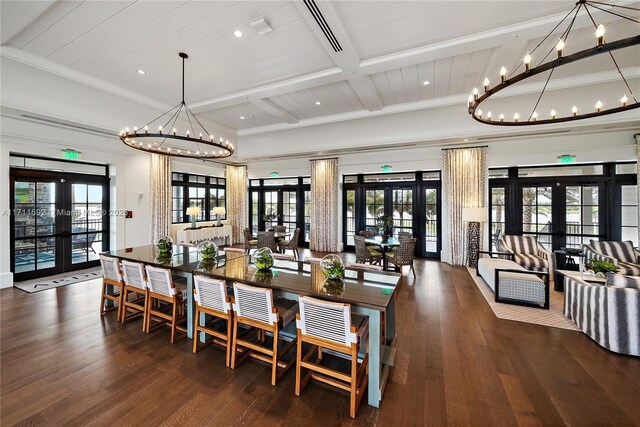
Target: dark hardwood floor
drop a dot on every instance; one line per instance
(63, 364)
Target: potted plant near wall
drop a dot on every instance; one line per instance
(384, 226)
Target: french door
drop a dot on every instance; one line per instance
(566, 214)
(59, 222)
(289, 206)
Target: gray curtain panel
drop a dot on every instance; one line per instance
(237, 201)
(324, 205)
(160, 197)
(465, 172)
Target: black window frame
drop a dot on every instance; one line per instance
(209, 183)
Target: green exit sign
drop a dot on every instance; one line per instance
(274, 174)
(385, 168)
(567, 158)
(70, 154)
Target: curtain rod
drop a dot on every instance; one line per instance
(325, 158)
(462, 148)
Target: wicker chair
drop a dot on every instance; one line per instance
(366, 253)
(280, 228)
(404, 235)
(292, 244)
(249, 241)
(367, 234)
(266, 239)
(404, 255)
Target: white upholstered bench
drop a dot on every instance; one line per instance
(512, 284)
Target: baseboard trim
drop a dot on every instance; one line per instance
(6, 280)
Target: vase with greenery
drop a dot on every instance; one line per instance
(269, 216)
(207, 265)
(332, 266)
(599, 267)
(207, 249)
(263, 259)
(164, 258)
(384, 224)
(165, 244)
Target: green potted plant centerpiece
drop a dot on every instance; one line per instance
(165, 244)
(263, 259)
(384, 224)
(207, 249)
(600, 268)
(332, 266)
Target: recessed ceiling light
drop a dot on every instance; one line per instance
(466, 140)
(141, 72)
(241, 117)
(237, 33)
(426, 82)
(317, 102)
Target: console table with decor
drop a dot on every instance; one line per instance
(195, 235)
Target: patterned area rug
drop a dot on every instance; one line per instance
(552, 317)
(50, 282)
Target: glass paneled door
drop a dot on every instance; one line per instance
(35, 226)
(58, 224)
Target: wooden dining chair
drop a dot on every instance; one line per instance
(249, 241)
(331, 326)
(267, 239)
(165, 304)
(258, 309)
(211, 298)
(135, 284)
(291, 244)
(111, 275)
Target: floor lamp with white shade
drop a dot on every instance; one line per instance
(473, 217)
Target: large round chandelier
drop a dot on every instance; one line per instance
(160, 135)
(531, 116)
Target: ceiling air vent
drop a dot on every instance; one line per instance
(317, 15)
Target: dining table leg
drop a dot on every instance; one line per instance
(375, 355)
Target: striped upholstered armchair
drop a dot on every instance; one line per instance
(529, 253)
(622, 254)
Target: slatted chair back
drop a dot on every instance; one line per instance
(133, 273)
(406, 252)
(367, 234)
(211, 293)
(621, 251)
(280, 228)
(159, 281)
(404, 235)
(362, 253)
(266, 239)
(518, 244)
(110, 268)
(326, 320)
(254, 303)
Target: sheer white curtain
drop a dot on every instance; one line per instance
(160, 197)
(465, 174)
(324, 205)
(237, 201)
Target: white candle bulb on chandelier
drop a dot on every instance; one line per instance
(501, 117)
(600, 35)
(516, 117)
(486, 84)
(503, 74)
(489, 115)
(553, 114)
(479, 112)
(534, 116)
(475, 93)
(624, 100)
(560, 48)
(574, 110)
(598, 106)
(527, 62)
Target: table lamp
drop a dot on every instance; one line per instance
(219, 211)
(473, 216)
(193, 212)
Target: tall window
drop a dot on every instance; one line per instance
(431, 219)
(497, 215)
(205, 192)
(402, 210)
(582, 214)
(536, 213)
(374, 206)
(350, 209)
(629, 213)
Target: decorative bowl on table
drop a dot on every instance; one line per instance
(572, 251)
(262, 258)
(207, 249)
(332, 266)
(207, 265)
(165, 244)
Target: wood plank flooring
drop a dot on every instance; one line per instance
(457, 364)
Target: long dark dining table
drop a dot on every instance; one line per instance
(370, 293)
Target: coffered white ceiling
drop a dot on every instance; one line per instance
(275, 80)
